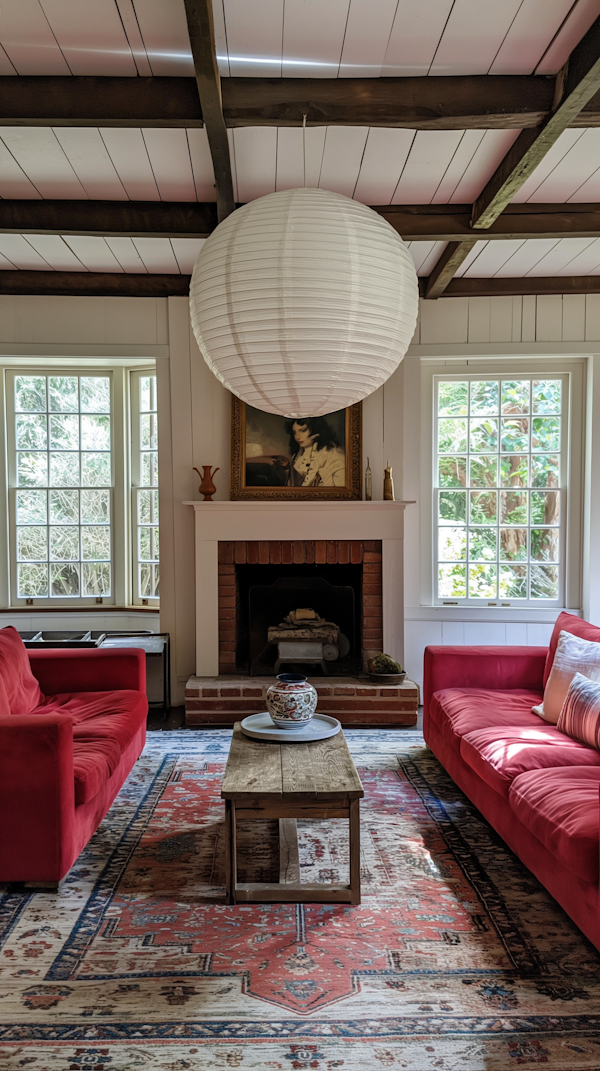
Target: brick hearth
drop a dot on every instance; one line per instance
(221, 701)
(299, 552)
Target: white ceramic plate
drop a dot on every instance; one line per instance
(260, 727)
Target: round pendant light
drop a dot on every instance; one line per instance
(303, 302)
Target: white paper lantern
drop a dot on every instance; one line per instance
(303, 302)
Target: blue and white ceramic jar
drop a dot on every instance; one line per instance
(291, 701)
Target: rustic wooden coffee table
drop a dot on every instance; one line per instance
(288, 782)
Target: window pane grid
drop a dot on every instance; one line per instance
(63, 477)
(498, 452)
(147, 551)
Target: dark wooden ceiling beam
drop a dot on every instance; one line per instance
(531, 286)
(202, 39)
(183, 219)
(135, 219)
(93, 284)
(464, 102)
(446, 267)
(575, 86)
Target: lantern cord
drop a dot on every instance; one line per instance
(304, 147)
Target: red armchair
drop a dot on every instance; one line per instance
(63, 760)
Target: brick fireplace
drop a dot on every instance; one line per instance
(237, 535)
(233, 553)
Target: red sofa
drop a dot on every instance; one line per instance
(72, 724)
(538, 788)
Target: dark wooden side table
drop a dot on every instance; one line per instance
(288, 782)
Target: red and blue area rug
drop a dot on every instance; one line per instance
(457, 959)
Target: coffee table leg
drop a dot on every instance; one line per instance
(230, 852)
(354, 817)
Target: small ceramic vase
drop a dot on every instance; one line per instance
(291, 701)
(207, 487)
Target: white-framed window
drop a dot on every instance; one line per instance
(144, 479)
(72, 538)
(501, 464)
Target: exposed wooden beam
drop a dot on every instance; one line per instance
(83, 101)
(179, 219)
(136, 219)
(463, 102)
(570, 284)
(202, 39)
(575, 86)
(446, 267)
(447, 103)
(452, 223)
(93, 284)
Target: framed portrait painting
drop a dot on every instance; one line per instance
(304, 457)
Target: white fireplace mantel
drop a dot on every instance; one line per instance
(219, 521)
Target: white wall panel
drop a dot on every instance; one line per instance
(202, 166)
(366, 39)
(91, 36)
(93, 252)
(127, 255)
(254, 37)
(290, 169)
(13, 180)
(55, 252)
(128, 153)
(592, 317)
(313, 36)
(39, 154)
(255, 161)
(570, 175)
(28, 40)
(490, 258)
(169, 156)
(581, 17)
(425, 255)
(533, 29)
(342, 155)
(561, 257)
(164, 31)
(88, 156)
(157, 254)
(429, 157)
(551, 160)
(385, 155)
(586, 263)
(479, 166)
(415, 36)
(573, 318)
(186, 251)
(17, 249)
(134, 37)
(444, 321)
(526, 257)
(472, 36)
(549, 319)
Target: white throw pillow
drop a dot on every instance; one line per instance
(573, 655)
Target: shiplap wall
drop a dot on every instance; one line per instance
(194, 426)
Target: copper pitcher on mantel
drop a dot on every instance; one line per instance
(207, 487)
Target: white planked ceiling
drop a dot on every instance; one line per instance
(52, 252)
(294, 38)
(532, 257)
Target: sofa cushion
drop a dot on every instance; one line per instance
(561, 807)
(457, 711)
(568, 623)
(573, 655)
(22, 689)
(104, 724)
(500, 755)
(580, 714)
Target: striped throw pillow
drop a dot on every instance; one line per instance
(580, 715)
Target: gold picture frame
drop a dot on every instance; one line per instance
(261, 451)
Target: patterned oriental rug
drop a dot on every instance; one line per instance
(456, 959)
